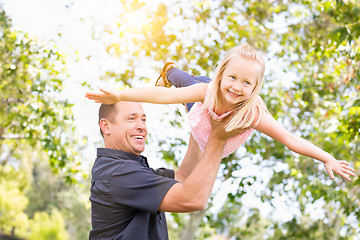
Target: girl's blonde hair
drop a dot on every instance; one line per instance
(245, 112)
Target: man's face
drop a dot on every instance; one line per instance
(127, 131)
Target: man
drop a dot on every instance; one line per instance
(129, 198)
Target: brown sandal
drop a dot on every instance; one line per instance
(162, 81)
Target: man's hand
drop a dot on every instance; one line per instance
(218, 129)
(105, 96)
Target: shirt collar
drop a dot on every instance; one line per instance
(118, 154)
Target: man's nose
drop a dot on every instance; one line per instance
(140, 124)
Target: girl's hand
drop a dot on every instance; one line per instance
(340, 167)
(105, 96)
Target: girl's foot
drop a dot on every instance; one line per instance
(162, 81)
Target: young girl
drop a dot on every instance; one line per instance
(234, 95)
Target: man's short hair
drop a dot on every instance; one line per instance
(108, 112)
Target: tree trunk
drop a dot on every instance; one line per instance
(337, 226)
(192, 225)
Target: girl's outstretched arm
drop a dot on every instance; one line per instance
(161, 95)
(269, 126)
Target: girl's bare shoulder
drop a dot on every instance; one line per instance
(203, 87)
(199, 90)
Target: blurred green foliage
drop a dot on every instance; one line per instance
(39, 159)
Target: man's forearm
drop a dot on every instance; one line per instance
(200, 182)
(193, 193)
(190, 161)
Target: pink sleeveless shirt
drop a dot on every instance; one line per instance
(200, 126)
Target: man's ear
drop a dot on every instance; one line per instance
(104, 125)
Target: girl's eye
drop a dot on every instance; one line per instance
(247, 82)
(233, 77)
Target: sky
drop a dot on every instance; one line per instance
(70, 24)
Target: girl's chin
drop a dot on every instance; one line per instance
(231, 100)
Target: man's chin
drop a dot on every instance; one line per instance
(138, 150)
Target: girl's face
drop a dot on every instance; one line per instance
(238, 80)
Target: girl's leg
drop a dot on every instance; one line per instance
(180, 78)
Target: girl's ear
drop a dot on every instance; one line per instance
(104, 125)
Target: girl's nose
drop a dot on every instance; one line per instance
(237, 87)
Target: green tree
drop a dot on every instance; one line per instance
(13, 200)
(31, 110)
(45, 226)
(36, 127)
(49, 192)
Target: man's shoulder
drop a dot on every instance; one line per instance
(106, 167)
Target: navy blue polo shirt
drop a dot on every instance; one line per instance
(125, 197)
